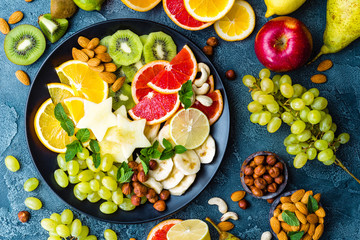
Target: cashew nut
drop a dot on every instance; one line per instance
(204, 100)
(205, 66)
(229, 215)
(220, 203)
(204, 89)
(205, 72)
(266, 236)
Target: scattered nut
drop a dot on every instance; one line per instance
(220, 203)
(83, 41)
(208, 50)
(164, 195)
(270, 200)
(24, 216)
(237, 196)
(274, 172)
(110, 67)
(256, 191)
(260, 170)
(135, 200)
(318, 78)
(229, 215)
(272, 187)
(22, 77)
(268, 179)
(230, 75)
(279, 165)
(15, 17)
(152, 164)
(243, 204)
(280, 179)
(100, 49)
(266, 236)
(93, 43)
(4, 26)
(139, 189)
(160, 206)
(126, 189)
(212, 41)
(118, 84)
(142, 177)
(225, 226)
(93, 62)
(99, 68)
(88, 52)
(325, 65)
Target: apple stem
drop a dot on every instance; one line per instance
(340, 164)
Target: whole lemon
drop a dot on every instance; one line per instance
(89, 5)
(282, 7)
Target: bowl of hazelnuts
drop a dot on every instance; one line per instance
(264, 175)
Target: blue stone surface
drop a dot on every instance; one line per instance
(340, 193)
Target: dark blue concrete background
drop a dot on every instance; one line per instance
(340, 193)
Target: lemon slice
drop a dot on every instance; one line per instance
(75, 106)
(193, 229)
(189, 128)
(238, 24)
(48, 128)
(208, 10)
(59, 91)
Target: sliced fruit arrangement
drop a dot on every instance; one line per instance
(208, 10)
(141, 5)
(53, 28)
(160, 230)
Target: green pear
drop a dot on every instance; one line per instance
(342, 25)
(223, 235)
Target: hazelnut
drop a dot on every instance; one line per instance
(230, 74)
(274, 172)
(126, 189)
(248, 170)
(139, 189)
(134, 177)
(272, 187)
(164, 195)
(279, 165)
(249, 180)
(243, 204)
(208, 50)
(257, 192)
(151, 193)
(260, 183)
(268, 178)
(133, 165)
(280, 179)
(255, 176)
(160, 206)
(271, 160)
(142, 177)
(24, 216)
(260, 170)
(212, 41)
(140, 167)
(252, 164)
(132, 239)
(135, 200)
(154, 199)
(259, 160)
(152, 164)
(270, 200)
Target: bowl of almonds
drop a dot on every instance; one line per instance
(297, 215)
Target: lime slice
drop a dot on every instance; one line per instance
(193, 229)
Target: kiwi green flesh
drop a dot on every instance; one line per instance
(53, 28)
(159, 46)
(105, 41)
(132, 69)
(24, 44)
(122, 97)
(143, 38)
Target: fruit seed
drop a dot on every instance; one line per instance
(275, 225)
(100, 49)
(93, 43)
(305, 227)
(88, 52)
(302, 208)
(300, 216)
(104, 57)
(288, 206)
(319, 78)
(285, 200)
(286, 227)
(325, 65)
(225, 226)
(307, 237)
(16, 17)
(317, 197)
(79, 55)
(237, 196)
(312, 218)
(118, 84)
(305, 198)
(93, 62)
(320, 212)
(282, 236)
(83, 41)
(108, 77)
(22, 77)
(311, 230)
(297, 196)
(110, 67)
(318, 232)
(4, 26)
(99, 68)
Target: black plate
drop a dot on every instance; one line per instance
(45, 160)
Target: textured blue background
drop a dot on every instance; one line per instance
(341, 194)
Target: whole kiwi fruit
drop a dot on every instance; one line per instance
(62, 8)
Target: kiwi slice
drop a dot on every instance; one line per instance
(62, 8)
(122, 97)
(143, 38)
(53, 28)
(105, 41)
(24, 44)
(132, 69)
(159, 46)
(125, 47)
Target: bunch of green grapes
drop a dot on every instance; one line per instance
(277, 100)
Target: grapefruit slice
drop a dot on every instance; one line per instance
(211, 83)
(159, 231)
(176, 11)
(214, 111)
(183, 67)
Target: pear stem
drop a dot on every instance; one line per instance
(340, 164)
(214, 225)
(320, 53)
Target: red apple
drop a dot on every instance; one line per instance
(283, 44)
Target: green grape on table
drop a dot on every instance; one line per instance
(273, 107)
(321, 144)
(127, 205)
(267, 85)
(252, 107)
(300, 160)
(298, 127)
(285, 79)
(110, 235)
(265, 99)
(264, 118)
(61, 178)
(84, 154)
(308, 98)
(304, 136)
(274, 125)
(106, 162)
(254, 117)
(248, 80)
(67, 216)
(12, 163)
(303, 114)
(320, 103)
(311, 153)
(291, 139)
(78, 194)
(33, 203)
(76, 227)
(325, 124)
(286, 90)
(84, 233)
(298, 90)
(343, 138)
(328, 136)
(72, 167)
(56, 217)
(84, 187)
(74, 179)
(61, 161)
(314, 116)
(31, 184)
(94, 185)
(104, 193)
(287, 117)
(117, 196)
(325, 155)
(110, 183)
(48, 224)
(62, 230)
(294, 148)
(91, 237)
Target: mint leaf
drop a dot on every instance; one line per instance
(96, 159)
(167, 144)
(312, 205)
(145, 164)
(186, 93)
(179, 149)
(295, 235)
(94, 146)
(83, 135)
(167, 153)
(124, 173)
(65, 122)
(72, 149)
(290, 218)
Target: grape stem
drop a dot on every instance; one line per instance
(340, 164)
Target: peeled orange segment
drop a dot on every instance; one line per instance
(48, 128)
(214, 111)
(75, 106)
(85, 82)
(155, 107)
(141, 5)
(159, 231)
(139, 87)
(193, 229)
(176, 11)
(237, 24)
(190, 128)
(183, 67)
(59, 91)
(208, 10)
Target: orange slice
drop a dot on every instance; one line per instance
(141, 5)
(214, 111)
(208, 10)
(160, 230)
(59, 91)
(75, 106)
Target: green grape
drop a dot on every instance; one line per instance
(314, 91)
(298, 90)
(274, 125)
(99, 175)
(31, 184)
(264, 73)
(252, 107)
(78, 194)
(265, 117)
(267, 85)
(330, 162)
(287, 117)
(67, 216)
(63, 230)
(343, 138)
(33, 203)
(94, 185)
(297, 104)
(273, 107)
(276, 80)
(325, 155)
(48, 224)
(333, 127)
(303, 114)
(107, 161)
(12, 163)
(56, 217)
(108, 207)
(74, 179)
(61, 161)
(72, 167)
(110, 183)
(54, 238)
(76, 227)
(294, 149)
(319, 103)
(248, 80)
(61, 178)
(286, 90)
(323, 114)
(266, 99)
(91, 166)
(308, 98)
(110, 235)
(285, 79)
(300, 160)
(298, 127)
(113, 171)
(91, 237)
(255, 95)
(328, 136)
(127, 205)
(117, 196)
(54, 234)
(321, 144)
(311, 153)
(84, 154)
(82, 164)
(143, 200)
(314, 116)
(304, 136)
(291, 139)
(86, 175)
(325, 124)
(84, 233)
(84, 187)
(93, 197)
(104, 193)
(254, 117)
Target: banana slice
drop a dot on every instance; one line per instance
(206, 151)
(174, 179)
(184, 185)
(163, 169)
(152, 183)
(188, 162)
(165, 133)
(151, 131)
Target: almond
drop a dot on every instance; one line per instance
(88, 52)
(104, 57)
(110, 67)
(275, 225)
(305, 227)
(285, 200)
(300, 216)
(108, 77)
(93, 43)
(325, 65)
(320, 212)
(28, 0)
(79, 55)
(286, 227)
(282, 236)
(277, 212)
(306, 237)
(237, 196)
(318, 78)
(311, 230)
(317, 197)
(312, 218)
(23, 77)
(4, 26)
(118, 84)
(295, 228)
(225, 226)
(302, 208)
(305, 198)
(100, 49)
(288, 206)
(318, 232)
(99, 68)
(93, 62)
(15, 17)
(83, 41)
(297, 196)
(321, 220)
(280, 217)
